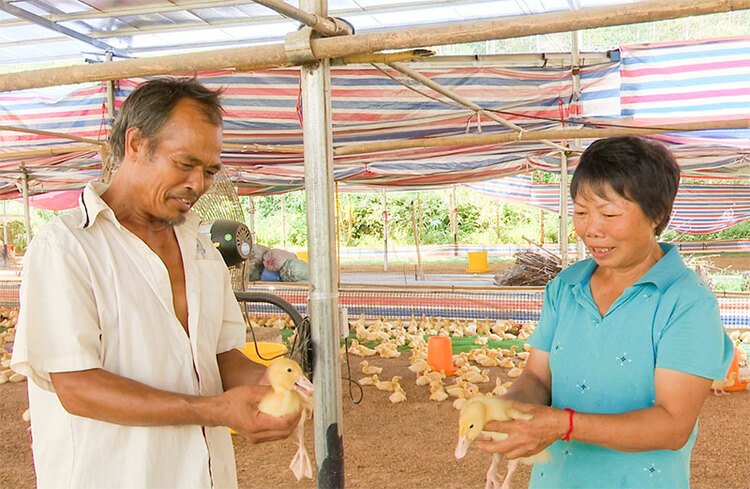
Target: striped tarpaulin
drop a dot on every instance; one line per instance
(376, 103)
(697, 209)
(689, 81)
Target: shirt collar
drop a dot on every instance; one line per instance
(662, 274)
(92, 206)
(666, 270)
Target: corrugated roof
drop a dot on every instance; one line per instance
(35, 31)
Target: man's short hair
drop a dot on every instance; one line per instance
(637, 169)
(150, 106)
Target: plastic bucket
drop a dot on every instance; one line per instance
(440, 354)
(478, 262)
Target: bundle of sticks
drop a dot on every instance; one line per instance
(531, 268)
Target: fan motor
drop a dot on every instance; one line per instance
(231, 238)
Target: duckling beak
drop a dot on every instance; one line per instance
(462, 446)
(304, 387)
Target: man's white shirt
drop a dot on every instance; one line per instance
(94, 295)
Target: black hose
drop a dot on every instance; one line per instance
(277, 301)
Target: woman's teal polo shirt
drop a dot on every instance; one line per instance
(669, 319)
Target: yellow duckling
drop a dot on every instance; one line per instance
(499, 389)
(370, 369)
(437, 393)
(387, 385)
(291, 392)
(515, 372)
(423, 379)
(369, 380)
(478, 411)
(418, 366)
(398, 395)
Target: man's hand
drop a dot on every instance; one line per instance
(239, 407)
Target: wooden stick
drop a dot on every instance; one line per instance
(553, 134)
(420, 272)
(53, 134)
(49, 151)
(274, 55)
(338, 232)
(265, 148)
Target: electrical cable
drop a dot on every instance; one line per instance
(349, 376)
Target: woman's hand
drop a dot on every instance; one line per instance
(527, 437)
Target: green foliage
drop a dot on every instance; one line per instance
(601, 39)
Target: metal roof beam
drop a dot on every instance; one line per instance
(324, 25)
(41, 21)
(269, 56)
(233, 22)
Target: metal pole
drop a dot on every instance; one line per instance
(575, 66)
(251, 219)
(283, 220)
(563, 234)
(454, 220)
(5, 223)
(6, 258)
(26, 215)
(385, 232)
(110, 95)
(323, 294)
(324, 25)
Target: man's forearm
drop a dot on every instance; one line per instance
(236, 369)
(104, 396)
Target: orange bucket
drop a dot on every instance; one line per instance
(739, 385)
(440, 354)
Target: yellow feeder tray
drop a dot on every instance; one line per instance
(267, 349)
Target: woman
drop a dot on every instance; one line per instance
(628, 340)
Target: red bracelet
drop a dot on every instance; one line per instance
(570, 428)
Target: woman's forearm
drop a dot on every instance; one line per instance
(528, 388)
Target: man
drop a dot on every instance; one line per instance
(128, 326)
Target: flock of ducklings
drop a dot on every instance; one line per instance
(390, 335)
(8, 320)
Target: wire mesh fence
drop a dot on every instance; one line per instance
(522, 304)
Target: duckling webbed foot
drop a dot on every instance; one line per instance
(300, 464)
(512, 464)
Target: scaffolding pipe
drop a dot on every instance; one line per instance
(563, 233)
(385, 231)
(110, 95)
(327, 26)
(552, 134)
(414, 75)
(274, 55)
(323, 292)
(52, 134)
(25, 193)
(575, 67)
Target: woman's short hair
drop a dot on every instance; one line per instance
(150, 106)
(637, 169)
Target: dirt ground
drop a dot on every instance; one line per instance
(407, 445)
